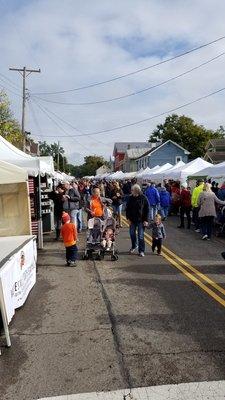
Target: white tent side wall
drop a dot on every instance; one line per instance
(14, 201)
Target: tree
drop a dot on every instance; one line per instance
(53, 150)
(185, 132)
(91, 164)
(9, 126)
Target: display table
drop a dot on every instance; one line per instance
(18, 256)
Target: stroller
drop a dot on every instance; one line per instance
(108, 239)
(94, 239)
(220, 222)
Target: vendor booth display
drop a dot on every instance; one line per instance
(36, 168)
(17, 245)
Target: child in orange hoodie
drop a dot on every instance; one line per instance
(69, 235)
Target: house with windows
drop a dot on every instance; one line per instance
(215, 151)
(120, 149)
(167, 152)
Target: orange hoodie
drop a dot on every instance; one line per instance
(96, 206)
(69, 234)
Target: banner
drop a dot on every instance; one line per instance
(18, 276)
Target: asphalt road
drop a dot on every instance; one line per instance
(106, 326)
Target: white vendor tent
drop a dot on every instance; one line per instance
(129, 175)
(163, 168)
(144, 174)
(10, 173)
(213, 171)
(33, 165)
(166, 173)
(188, 169)
(116, 175)
(14, 201)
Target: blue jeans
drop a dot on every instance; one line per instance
(80, 219)
(152, 212)
(164, 211)
(137, 228)
(71, 253)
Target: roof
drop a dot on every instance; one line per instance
(121, 147)
(135, 153)
(215, 157)
(216, 143)
(151, 151)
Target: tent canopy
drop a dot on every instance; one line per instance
(10, 173)
(166, 173)
(32, 165)
(188, 169)
(146, 172)
(213, 171)
(153, 174)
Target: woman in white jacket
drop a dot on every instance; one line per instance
(207, 203)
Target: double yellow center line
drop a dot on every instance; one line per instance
(203, 281)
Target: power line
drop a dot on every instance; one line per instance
(152, 117)
(9, 81)
(133, 72)
(35, 119)
(11, 91)
(136, 92)
(61, 128)
(70, 125)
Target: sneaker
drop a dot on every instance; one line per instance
(205, 237)
(141, 254)
(159, 254)
(181, 227)
(197, 230)
(132, 251)
(73, 264)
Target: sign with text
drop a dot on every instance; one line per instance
(18, 276)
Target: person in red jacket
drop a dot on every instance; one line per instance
(185, 205)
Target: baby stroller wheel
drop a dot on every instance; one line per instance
(114, 257)
(98, 257)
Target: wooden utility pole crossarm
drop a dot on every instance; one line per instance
(24, 72)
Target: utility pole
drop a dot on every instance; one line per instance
(24, 72)
(58, 157)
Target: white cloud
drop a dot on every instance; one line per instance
(77, 42)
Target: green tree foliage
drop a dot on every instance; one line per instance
(9, 126)
(53, 150)
(91, 164)
(185, 132)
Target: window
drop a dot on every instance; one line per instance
(178, 159)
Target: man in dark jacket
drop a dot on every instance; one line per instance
(71, 202)
(137, 211)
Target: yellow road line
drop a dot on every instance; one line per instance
(189, 275)
(193, 269)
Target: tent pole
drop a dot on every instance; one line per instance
(4, 317)
(40, 225)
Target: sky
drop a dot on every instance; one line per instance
(77, 43)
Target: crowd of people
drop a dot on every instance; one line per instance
(145, 207)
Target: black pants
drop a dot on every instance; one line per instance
(196, 219)
(187, 211)
(71, 253)
(157, 243)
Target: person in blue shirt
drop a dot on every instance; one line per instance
(165, 202)
(152, 195)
